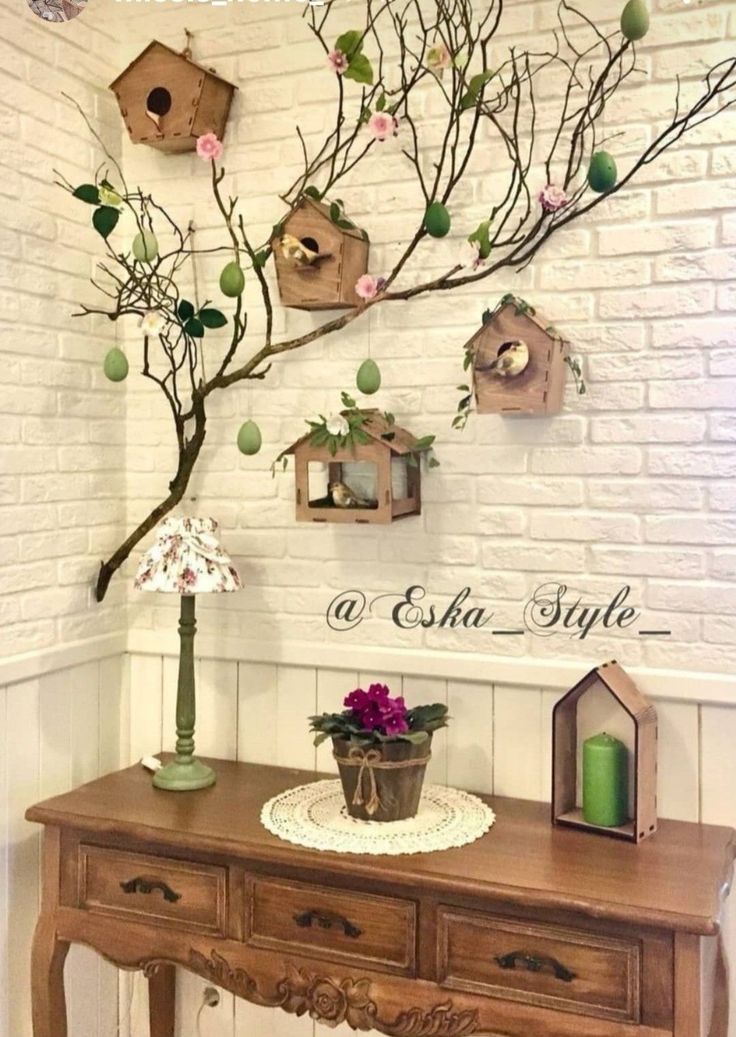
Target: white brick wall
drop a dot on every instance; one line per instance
(59, 487)
(631, 482)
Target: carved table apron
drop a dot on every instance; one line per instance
(532, 931)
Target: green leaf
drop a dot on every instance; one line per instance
(104, 220)
(415, 737)
(381, 103)
(312, 192)
(260, 258)
(332, 445)
(194, 328)
(389, 418)
(360, 70)
(345, 224)
(424, 443)
(433, 463)
(212, 318)
(334, 212)
(347, 400)
(350, 43)
(87, 193)
(475, 88)
(185, 310)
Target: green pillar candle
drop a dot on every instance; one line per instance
(605, 781)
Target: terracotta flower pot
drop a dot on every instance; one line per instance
(374, 789)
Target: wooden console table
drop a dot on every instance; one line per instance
(532, 931)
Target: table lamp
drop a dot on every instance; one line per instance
(186, 558)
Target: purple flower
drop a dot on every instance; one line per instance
(375, 710)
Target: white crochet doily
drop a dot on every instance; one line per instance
(315, 816)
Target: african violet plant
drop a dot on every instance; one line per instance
(383, 70)
(374, 716)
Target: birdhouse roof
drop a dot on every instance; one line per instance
(617, 681)
(395, 439)
(522, 311)
(324, 213)
(156, 44)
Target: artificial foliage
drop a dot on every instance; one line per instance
(486, 96)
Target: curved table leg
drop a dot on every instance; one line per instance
(162, 1001)
(47, 980)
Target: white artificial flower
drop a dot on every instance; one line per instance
(337, 425)
(153, 322)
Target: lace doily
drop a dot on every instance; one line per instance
(315, 816)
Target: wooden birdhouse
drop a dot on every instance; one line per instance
(518, 361)
(167, 100)
(318, 261)
(373, 482)
(605, 690)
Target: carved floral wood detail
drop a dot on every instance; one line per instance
(333, 1002)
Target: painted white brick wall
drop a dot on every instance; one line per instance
(630, 483)
(62, 473)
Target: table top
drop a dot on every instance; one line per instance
(676, 879)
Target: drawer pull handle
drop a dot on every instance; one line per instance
(326, 920)
(141, 885)
(534, 964)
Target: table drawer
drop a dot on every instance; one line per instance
(154, 889)
(546, 965)
(362, 927)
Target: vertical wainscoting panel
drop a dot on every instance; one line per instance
(4, 844)
(517, 742)
(417, 691)
(332, 687)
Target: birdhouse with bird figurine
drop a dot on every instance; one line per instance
(358, 466)
(518, 361)
(604, 757)
(319, 256)
(168, 101)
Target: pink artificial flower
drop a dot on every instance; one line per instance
(209, 147)
(368, 287)
(438, 57)
(553, 198)
(338, 62)
(377, 711)
(383, 125)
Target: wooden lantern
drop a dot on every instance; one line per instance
(565, 749)
(167, 100)
(539, 388)
(328, 282)
(396, 468)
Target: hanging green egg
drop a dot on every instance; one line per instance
(116, 365)
(437, 220)
(145, 246)
(232, 280)
(635, 20)
(368, 378)
(602, 172)
(249, 438)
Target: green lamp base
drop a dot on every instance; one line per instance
(184, 776)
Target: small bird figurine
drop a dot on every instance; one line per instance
(344, 497)
(295, 251)
(510, 362)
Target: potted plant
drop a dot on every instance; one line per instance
(382, 751)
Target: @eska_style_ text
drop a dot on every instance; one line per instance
(553, 609)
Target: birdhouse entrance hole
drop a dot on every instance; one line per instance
(310, 243)
(502, 348)
(159, 101)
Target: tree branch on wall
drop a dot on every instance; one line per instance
(404, 56)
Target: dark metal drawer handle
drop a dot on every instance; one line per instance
(535, 964)
(141, 885)
(326, 920)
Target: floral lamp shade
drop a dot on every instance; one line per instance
(187, 558)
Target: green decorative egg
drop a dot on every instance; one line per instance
(116, 365)
(368, 378)
(437, 220)
(635, 20)
(602, 172)
(249, 438)
(145, 246)
(232, 280)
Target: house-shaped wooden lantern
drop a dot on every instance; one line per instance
(536, 389)
(384, 474)
(167, 100)
(612, 679)
(336, 258)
